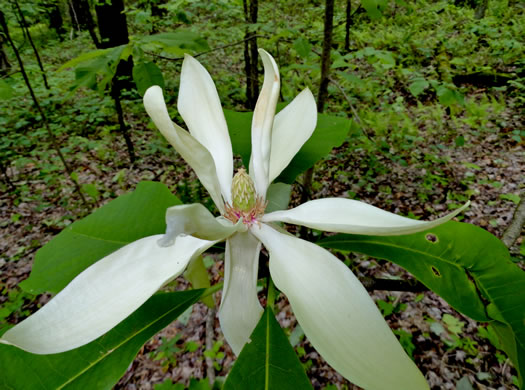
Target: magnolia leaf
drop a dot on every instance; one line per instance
(268, 361)
(6, 92)
(303, 47)
(124, 220)
(146, 74)
(373, 8)
(418, 85)
(101, 363)
(97, 71)
(84, 57)
(330, 132)
(464, 264)
(448, 96)
(278, 197)
(177, 41)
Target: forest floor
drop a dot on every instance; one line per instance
(414, 155)
(486, 159)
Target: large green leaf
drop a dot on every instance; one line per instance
(278, 197)
(373, 8)
(126, 219)
(99, 364)
(268, 361)
(6, 92)
(240, 128)
(177, 42)
(467, 266)
(330, 132)
(84, 57)
(146, 74)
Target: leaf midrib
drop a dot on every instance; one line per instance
(95, 362)
(267, 357)
(379, 243)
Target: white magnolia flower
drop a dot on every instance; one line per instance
(333, 308)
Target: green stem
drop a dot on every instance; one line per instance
(271, 294)
(211, 290)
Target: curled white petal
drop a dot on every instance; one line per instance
(196, 220)
(292, 127)
(200, 107)
(196, 155)
(240, 309)
(262, 124)
(354, 217)
(337, 314)
(103, 295)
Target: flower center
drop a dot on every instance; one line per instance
(245, 202)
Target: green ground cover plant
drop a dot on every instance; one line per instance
(424, 113)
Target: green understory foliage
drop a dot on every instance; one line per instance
(420, 81)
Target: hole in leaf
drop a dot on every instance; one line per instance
(431, 237)
(435, 271)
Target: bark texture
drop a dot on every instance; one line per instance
(251, 56)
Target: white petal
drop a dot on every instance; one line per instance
(200, 107)
(337, 314)
(196, 155)
(103, 295)
(240, 309)
(351, 216)
(196, 220)
(262, 124)
(292, 127)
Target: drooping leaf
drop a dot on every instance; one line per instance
(330, 132)
(6, 91)
(126, 219)
(278, 197)
(98, 71)
(146, 74)
(464, 264)
(177, 42)
(268, 361)
(101, 363)
(84, 57)
(239, 127)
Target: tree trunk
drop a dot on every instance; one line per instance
(115, 94)
(113, 30)
(251, 56)
(156, 10)
(82, 18)
(24, 26)
(323, 90)
(56, 22)
(348, 24)
(326, 60)
(52, 137)
(112, 24)
(481, 8)
(4, 62)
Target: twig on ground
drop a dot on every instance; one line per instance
(207, 51)
(513, 231)
(210, 336)
(354, 111)
(411, 285)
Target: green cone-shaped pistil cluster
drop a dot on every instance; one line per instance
(243, 191)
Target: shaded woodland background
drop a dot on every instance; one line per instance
(433, 93)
